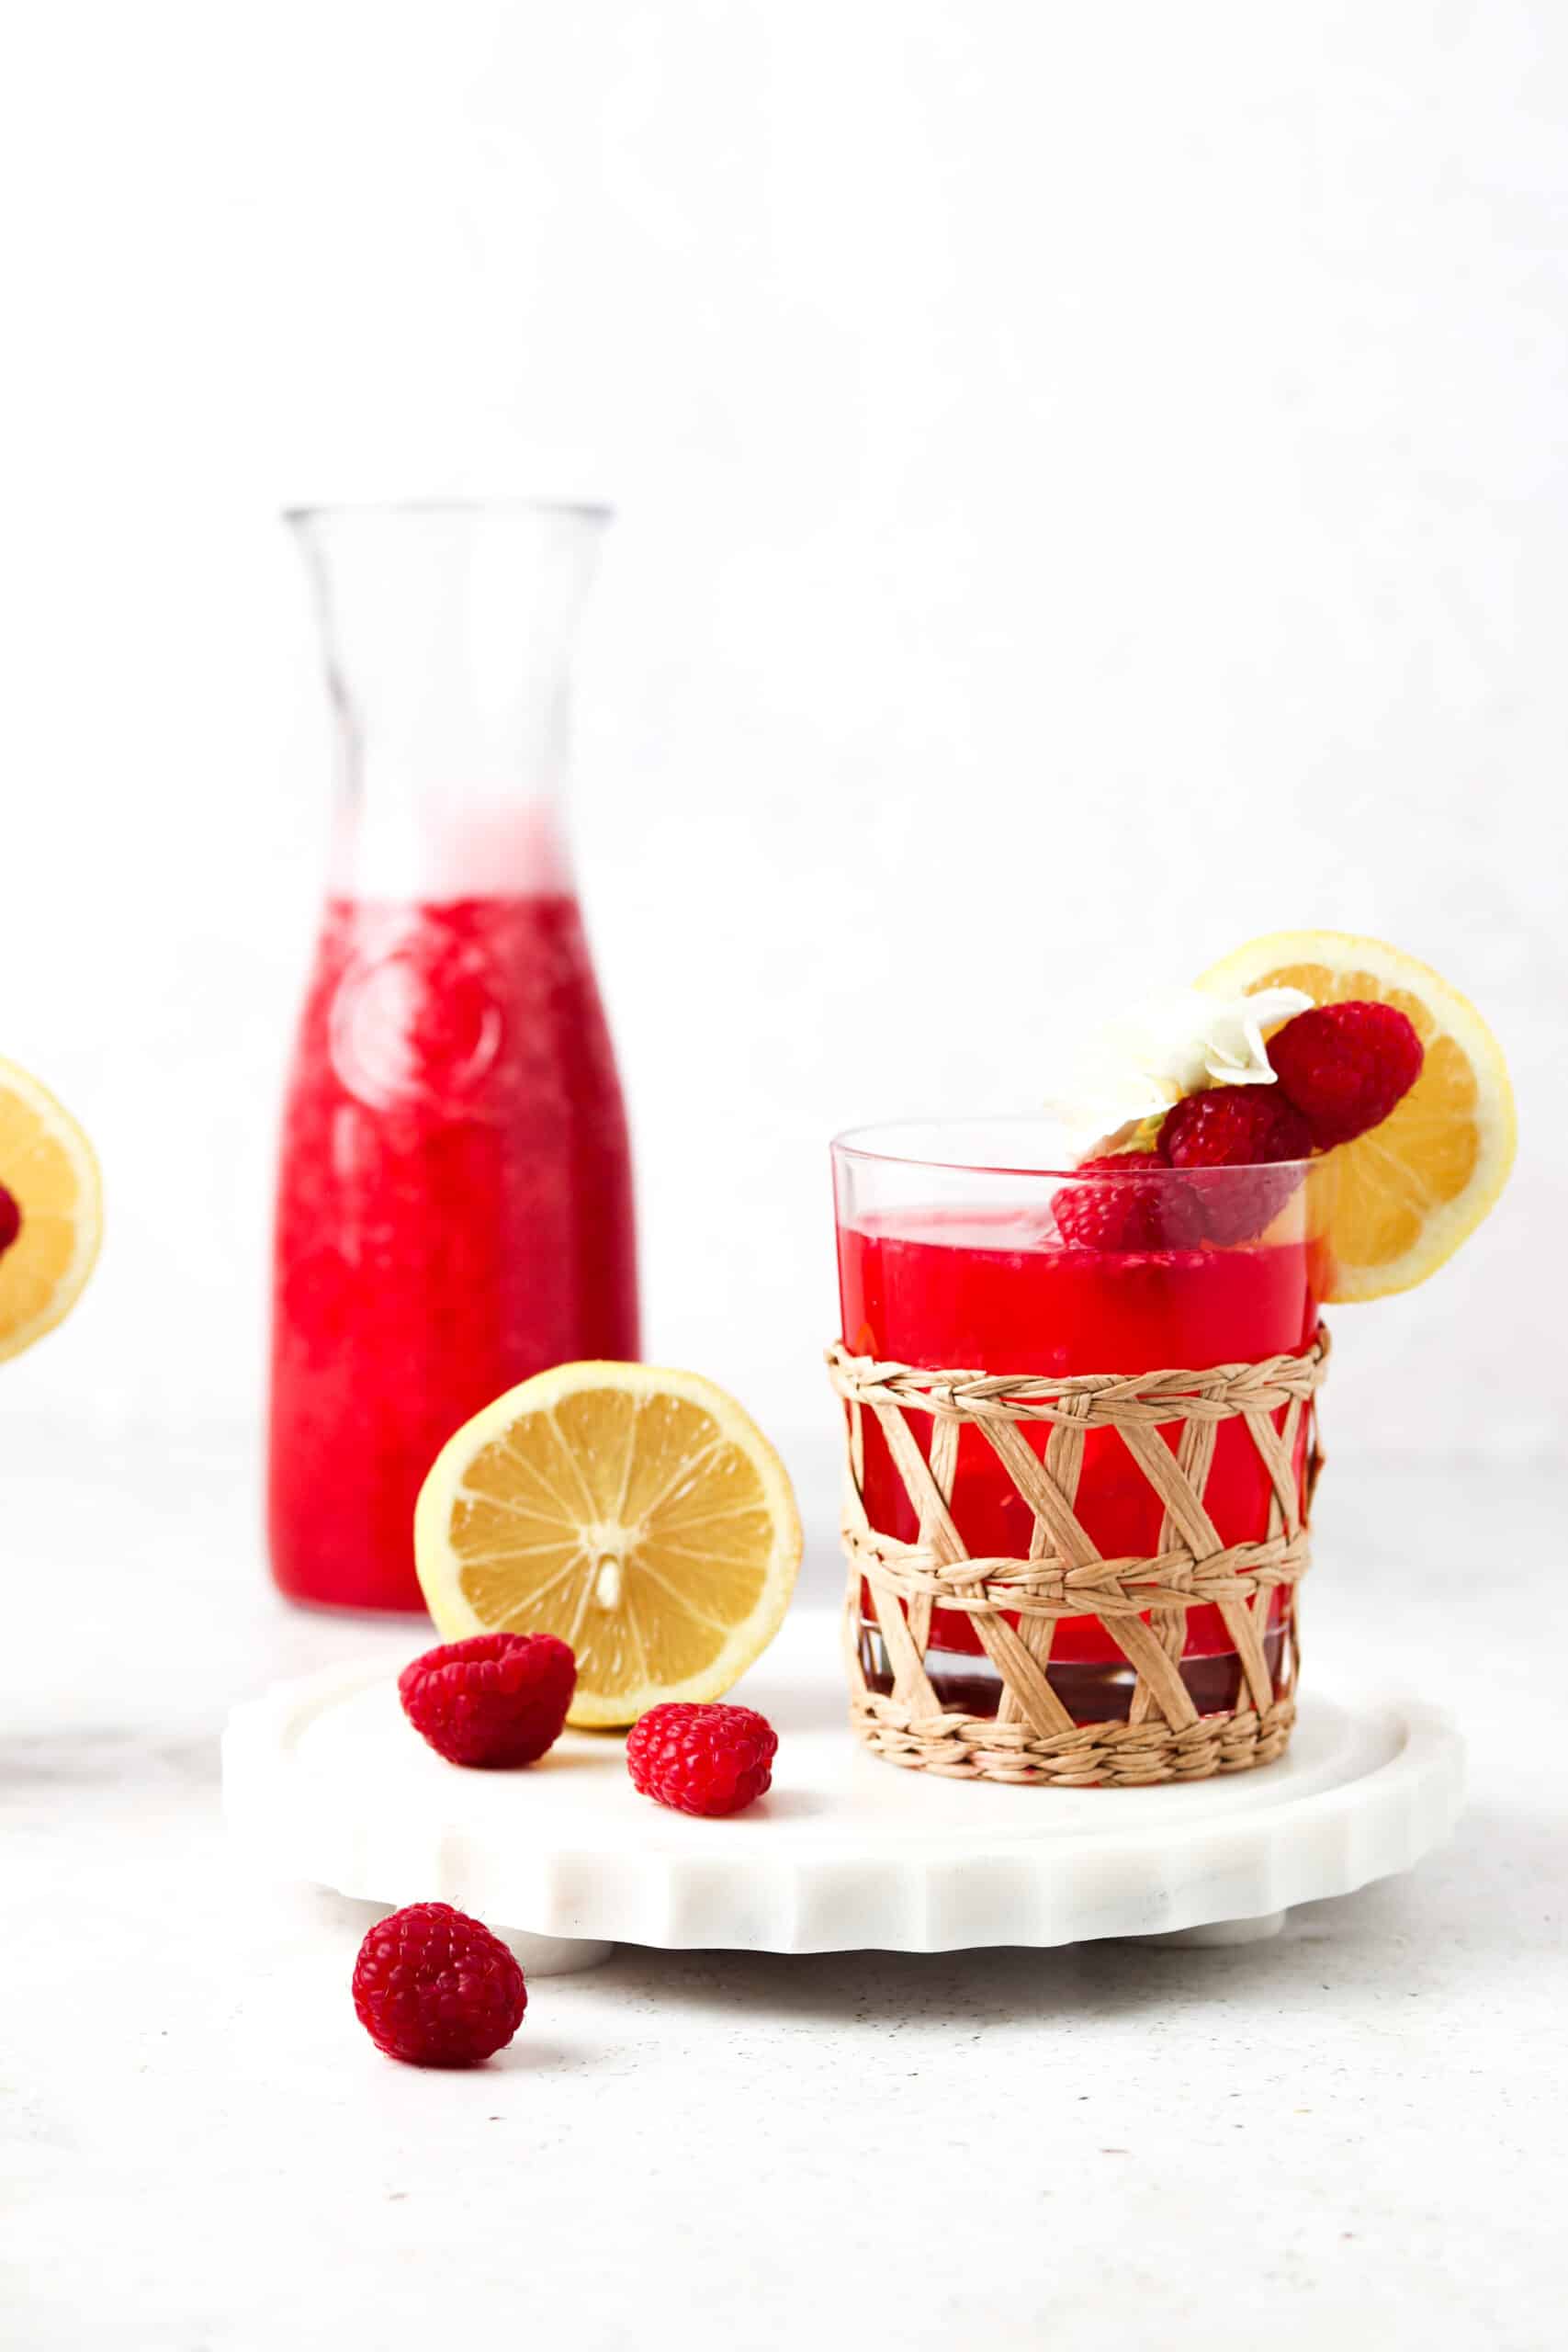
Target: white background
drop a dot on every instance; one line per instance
(1091, 489)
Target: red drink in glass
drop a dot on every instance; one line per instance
(965, 1269)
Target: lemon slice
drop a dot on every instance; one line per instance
(637, 1513)
(1399, 1200)
(48, 1167)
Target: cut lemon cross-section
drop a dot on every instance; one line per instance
(637, 1513)
(1397, 1202)
(48, 1168)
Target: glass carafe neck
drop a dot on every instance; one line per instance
(448, 632)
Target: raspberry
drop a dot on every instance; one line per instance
(10, 1219)
(1231, 1127)
(702, 1760)
(436, 1988)
(1147, 1209)
(1346, 1066)
(500, 1698)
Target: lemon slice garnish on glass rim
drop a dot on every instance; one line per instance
(637, 1513)
(1398, 1201)
(49, 1169)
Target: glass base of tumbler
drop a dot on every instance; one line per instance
(1092, 1691)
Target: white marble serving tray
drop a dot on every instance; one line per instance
(325, 1781)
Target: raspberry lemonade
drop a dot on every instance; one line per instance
(1011, 1267)
(454, 1204)
(1080, 1361)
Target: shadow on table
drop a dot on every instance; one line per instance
(998, 1987)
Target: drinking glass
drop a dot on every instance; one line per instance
(972, 1246)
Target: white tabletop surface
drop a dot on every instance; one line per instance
(1350, 2136)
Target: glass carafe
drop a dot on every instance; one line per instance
(455, 1196)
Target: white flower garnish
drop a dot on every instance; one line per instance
(1138, 1063)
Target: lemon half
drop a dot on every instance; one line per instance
(49, 1167)
(637, 1513)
